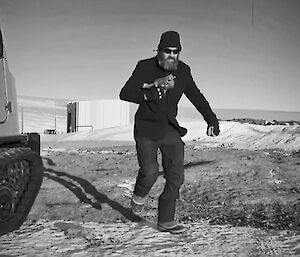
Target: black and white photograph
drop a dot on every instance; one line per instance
(149, 128)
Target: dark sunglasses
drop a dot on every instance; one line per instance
(168, 51)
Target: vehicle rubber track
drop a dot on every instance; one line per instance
(21, 175)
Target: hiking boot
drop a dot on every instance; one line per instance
(171, 227)
(137, 204)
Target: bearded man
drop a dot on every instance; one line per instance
(157, 85)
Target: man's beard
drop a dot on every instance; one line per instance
(168, 64)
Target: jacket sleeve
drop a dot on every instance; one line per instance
(132, 90)
(193, 93)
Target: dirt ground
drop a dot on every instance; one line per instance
(245, 190)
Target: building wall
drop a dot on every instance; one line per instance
(99, 114)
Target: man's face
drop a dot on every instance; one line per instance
(168, 58)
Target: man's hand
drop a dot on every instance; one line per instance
(213, 130)
(153, 92)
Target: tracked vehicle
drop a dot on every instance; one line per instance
(21, 168)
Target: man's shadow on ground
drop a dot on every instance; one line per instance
(88, 188)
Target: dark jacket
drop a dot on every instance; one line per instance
(153, 117)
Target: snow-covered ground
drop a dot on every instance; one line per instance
(233, 134)
(41, 114)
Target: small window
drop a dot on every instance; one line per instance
(1, 45)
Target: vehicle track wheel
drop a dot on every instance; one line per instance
(7, 203)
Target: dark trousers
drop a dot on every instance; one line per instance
(172, 150)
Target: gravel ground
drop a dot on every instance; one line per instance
(234, 203)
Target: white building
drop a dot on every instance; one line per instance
(97, 114)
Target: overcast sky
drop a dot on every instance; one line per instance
(87, 49)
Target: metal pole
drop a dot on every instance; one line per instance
(55, 113)
(22, 120)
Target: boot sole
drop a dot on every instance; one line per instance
(175, 230)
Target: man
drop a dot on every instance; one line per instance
(157, 85)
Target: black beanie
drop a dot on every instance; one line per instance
(169, 39)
